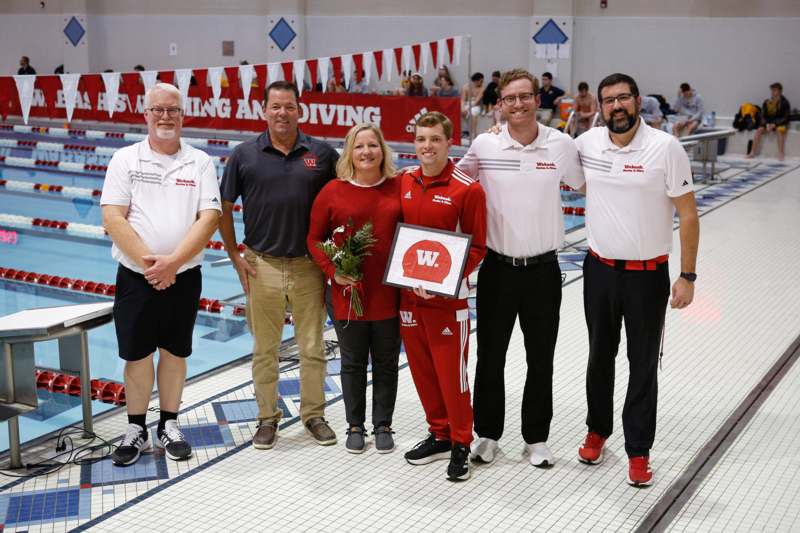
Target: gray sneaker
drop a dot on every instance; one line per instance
(266, 435)
(321, 432)
(384, 442)
(356, 440)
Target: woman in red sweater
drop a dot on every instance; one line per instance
(365, 192)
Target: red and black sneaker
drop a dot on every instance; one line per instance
(639, 473)
(591, 451)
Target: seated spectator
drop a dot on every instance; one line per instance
(549, 98)
(471, 95)
(689, 108)
(774, 117)
(358, 87)
(25, 68)
(59, 70)
(489, 98)
(651, 112)
(416, 86)
(139, 68)
(446, 88)
(335, 87)
(443, 71)
(585, 108)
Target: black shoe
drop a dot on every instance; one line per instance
(428, 450)
(356, 440)
(133, 444)
(173, 442)
(458, 469)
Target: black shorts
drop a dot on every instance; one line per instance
(146, 319)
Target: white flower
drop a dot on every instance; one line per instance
(340, 229)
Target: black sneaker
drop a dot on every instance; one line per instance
(173, 442)
(384, 442)
(428, 450)
(133, 444)
(458, 469)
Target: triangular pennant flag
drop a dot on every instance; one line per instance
(201, 78)
(358, 60)
(261, 74)
(457, 50)
(312, 71)
(25, 91)
(366, 65)
(183, 78)
(377, 55)
(398, 60)
(407, 55)
(7, 90)
(215, 80)
(49, 85)
(336, 61)
(148, 78)
(450, 48)
(111, 81)
(89, 88)
(273, 69)
(287, 71)
(416, 49)
(246, 75)
(232, 73)
(426, 57)
(434, 48)
(132, 84)
(324, 74)
(69, 82)
(347, 69)
(166, 76)
(299, 74)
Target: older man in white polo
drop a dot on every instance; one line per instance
(160, 204)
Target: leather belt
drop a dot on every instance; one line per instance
(547, 257)
(623, 264)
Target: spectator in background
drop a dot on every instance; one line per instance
(689, 107)
(549, 98)
(356, 86)
(443, 71)
(446, 88)
(774, 117)
(59, 70)
(489, 98)
(335, 86)
(585, 108)
(471, 95)
(416, 87)
(139, 68)
(651, 112)
(25, 68)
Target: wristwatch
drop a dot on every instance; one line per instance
(689, 276)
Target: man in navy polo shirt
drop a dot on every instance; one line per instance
(278, 174)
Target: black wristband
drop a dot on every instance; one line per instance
(689, 276)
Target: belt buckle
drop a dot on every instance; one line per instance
(513, 261)
(523, 261)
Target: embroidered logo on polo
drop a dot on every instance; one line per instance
(638, 169)
(407, 319)
(439, 199)
(310, 161)
(685, 183)
(545, 165)
(407, 196)
(185, 183)
(446, 331)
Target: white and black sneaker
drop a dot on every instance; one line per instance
(133, 444)
(173, 442)
(428, 450)
(458, 469)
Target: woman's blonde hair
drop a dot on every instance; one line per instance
(345, 169)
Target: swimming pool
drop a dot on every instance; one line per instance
(219, 337)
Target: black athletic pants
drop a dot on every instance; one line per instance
(534, 294)
(359, 342)
(639, 297)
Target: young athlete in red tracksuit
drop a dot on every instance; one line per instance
(435, 329)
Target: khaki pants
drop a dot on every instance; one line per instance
(298, 282)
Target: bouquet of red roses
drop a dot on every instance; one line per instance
(346, 248)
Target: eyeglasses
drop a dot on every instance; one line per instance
(171, 112)
(525, 98)
(624, 98)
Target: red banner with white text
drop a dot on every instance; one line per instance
(321, 114)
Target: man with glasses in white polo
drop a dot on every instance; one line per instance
(521, 170)
(161, 204)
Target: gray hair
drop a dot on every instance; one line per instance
(167, 88)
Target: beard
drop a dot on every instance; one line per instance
(623, 124)
(165, 134)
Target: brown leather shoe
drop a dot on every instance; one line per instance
(319, 429)
(266, 435)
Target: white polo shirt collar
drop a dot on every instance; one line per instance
(637, 143)
(145, 153)
(507, 142)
